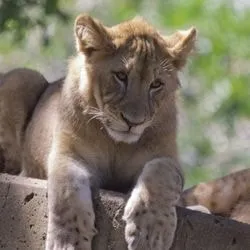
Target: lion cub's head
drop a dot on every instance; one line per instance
(127, 72)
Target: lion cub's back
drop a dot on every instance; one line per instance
(20, 90)
(38, 136)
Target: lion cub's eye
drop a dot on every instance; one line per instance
(121, 76)
(155, 85)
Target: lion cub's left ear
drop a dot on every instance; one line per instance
(91, 35)
(180, 44)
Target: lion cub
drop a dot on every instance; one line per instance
(111, 124)
(20, 90)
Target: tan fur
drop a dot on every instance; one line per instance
(38, 135)
(111, 124)
(227, 196)
(20, 90)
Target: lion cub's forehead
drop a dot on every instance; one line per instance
(137, 26)
(138, 39)
(135, 29)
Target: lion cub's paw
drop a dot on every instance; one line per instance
(149, 227)
(60, 245)
(71, 232)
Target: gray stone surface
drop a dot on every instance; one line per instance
(23, 213)
(23, 218)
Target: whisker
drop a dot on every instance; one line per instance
(165, 61)
(91, 118)
(95, 113)
(124, 61)
(168, 69)
(96, 116)
(166, 65)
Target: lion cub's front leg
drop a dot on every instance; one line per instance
(150, 213)
(71, 215)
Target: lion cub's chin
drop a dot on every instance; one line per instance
(126, 136)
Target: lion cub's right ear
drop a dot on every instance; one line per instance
(180, 45)
(91, 35)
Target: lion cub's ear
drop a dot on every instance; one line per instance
(180, 44)
(91, 35)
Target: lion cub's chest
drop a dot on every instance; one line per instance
(118, 164)
(122, 172)
(124, 169)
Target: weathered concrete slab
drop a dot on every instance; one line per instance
(23, 213)
(23, 219)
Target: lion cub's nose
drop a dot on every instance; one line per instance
(132, 121)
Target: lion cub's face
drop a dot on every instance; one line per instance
(132, 71)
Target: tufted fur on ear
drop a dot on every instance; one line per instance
(180, 44)
(91, 35)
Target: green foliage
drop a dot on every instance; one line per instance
(198, 173)
(19, 16)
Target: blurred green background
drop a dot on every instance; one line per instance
(214, 102)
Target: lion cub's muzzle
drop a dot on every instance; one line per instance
(132, 122)
(129, 129)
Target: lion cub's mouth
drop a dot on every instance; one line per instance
(123, 135)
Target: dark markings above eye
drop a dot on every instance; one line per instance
(121, 76)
